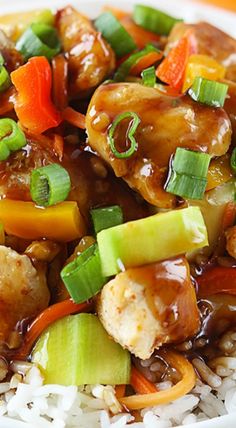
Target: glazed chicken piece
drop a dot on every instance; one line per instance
(13, 58)
(90, 57)
(231, 241)
(230, 105)
(166, 123)
(23, 290)
(210, 41)
(146, 307)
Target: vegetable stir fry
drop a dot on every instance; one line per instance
(117, 208)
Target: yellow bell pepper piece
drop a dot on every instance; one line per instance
(14, 24)
(202, 66)
(219, 172)
(62, 222)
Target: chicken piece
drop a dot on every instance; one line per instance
(231, 241)
(166, 123)
(90, 57)
(210, 41)
(23, 290)
(146, 307)
(12, 58)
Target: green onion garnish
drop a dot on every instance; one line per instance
(189, 174)
(106, 217)
(116, 35)
(233, 160)
(126, 66)
(5, 81)
(83, 277)
(149, 76)
(208, 92)
(130, 134)
(153, 20)
(12, 138)
(49, 185)
(39, 40)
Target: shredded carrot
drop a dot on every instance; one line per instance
(180, 363)
(45, 319)
(229, 216)
(60, 81)
(7, 101)
(145, 62)
(120, 391)
(218, 279)
(74, 117)
(58, 146)
(140, 384)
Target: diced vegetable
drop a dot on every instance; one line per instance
(233, 160)
(151, 239)
(188, 175)
(12, 138)
(135, 121)
(202, 66)
(39, 40)
(172, 68)
(208, 92)
(77, 350)
(15, 24)
(116, 35)
(49, 185)
(219, 172)
(153, 20)
(134, 60)
(183, 366)
(51, 314)
(33, 104)
(83, 277)
(62, 222)
(106, 217)
(149, 76)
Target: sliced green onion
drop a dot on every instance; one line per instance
(233, 160)
(153, 20)
(208, 92)
(190, 162)
(5, 81)
(149, 76)
(77, 350)
(49, 185)
(126, 66)
(106, 217)
(39, 39)
(189, 174)
(83, 277)
(186, 186)
(44, 16)
(12, 138)
(130, 134)
(116, 35)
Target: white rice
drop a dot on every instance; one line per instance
(26, 403)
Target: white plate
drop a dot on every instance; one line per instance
(191, 12)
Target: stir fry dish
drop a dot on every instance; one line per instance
(117, 219)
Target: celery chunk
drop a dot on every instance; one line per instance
(77, 350)
(151, 239)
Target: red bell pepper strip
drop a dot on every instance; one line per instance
(172, 68)
(217, 280)
(33, 104)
